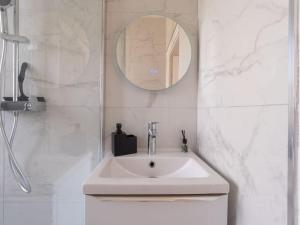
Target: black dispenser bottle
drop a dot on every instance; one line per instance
(123, 144)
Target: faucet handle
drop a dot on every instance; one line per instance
(152, 128)
(152, 125)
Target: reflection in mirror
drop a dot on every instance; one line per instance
(153, 52)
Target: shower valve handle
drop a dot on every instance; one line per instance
(21, 79)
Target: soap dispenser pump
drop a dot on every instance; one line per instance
(123, 144)
(119, 128)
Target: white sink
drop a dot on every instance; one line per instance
(157, 167)
(164, 174)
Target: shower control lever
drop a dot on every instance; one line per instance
(21, 79)
(24, 103)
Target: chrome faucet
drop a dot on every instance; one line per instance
(152, 132)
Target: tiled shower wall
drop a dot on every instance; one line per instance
(59, 147)
(175, 108)
(242, 104)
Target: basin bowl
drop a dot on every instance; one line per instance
(161, 166)
(166, 173)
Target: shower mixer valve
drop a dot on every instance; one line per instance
(24, 103)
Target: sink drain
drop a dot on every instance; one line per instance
(152, 164)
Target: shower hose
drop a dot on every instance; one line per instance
(19, 175)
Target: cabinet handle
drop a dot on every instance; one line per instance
(207, 198)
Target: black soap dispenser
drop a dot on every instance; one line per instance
(123, 144)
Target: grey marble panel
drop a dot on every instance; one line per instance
(248, 145)
(243, 53)
(52, 144)
(171, 121)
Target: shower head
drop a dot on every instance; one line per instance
(4, 4)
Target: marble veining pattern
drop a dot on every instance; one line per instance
(57, 148)
(242, 104)
(229, 62)
(236, 141)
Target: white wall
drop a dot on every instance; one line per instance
(242, 104)
(175, 108)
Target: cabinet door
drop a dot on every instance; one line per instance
(198, 210)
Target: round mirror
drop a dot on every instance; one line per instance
(153, 52)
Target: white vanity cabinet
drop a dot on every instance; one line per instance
(181, 189)
(147, 210)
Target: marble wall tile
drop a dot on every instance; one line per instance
(34, 22)
(38, 6)
(242, 104)
(54, 146)
(248, 69)
(169, 6)
(128, 104)
(135, 120)
(64, 53)
(54, 143)
(121, 93)
(68, 198)
(65, 211)
(248, 145)
(117, 21)
(28, 213)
